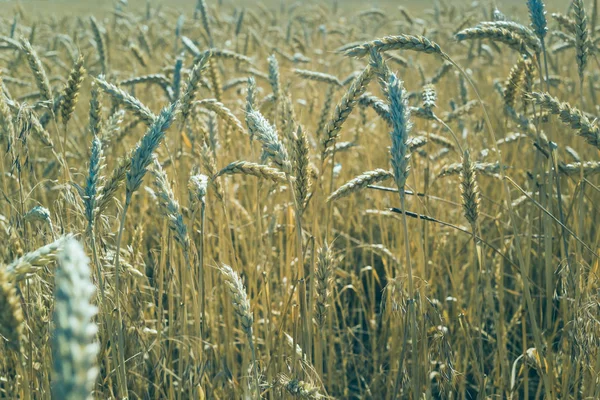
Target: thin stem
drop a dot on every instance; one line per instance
(537, 336)
(438, 120)
(256, 385)
(412, 305)
(201, 270)
(121, 372)
(25, 376)
(300, 265)
(103, 302)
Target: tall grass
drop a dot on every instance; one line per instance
(354, 202)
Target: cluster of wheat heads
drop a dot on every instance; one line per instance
(234, 200)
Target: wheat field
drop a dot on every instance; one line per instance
(221, 199)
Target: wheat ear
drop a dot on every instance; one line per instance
(73, 340)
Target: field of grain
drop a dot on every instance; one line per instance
(221, 199)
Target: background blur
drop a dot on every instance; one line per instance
(98, 6)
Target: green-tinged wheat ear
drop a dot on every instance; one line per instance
(215, 79)
(228, 55)
(440, 140)
(128, 101)
(169, 207)
(192, 87)
(71, 91)
(302, 169)
(287, 117)
(156, 79)
(273, 148)
(7, 127)
(429, 97)
(274, 76)
(234, 82)
(138, 55)
(31, 262)
(38, 213)
(89, 193)
(528, 36)
(318, 77)
(325, 111)
(117, 177)
(201, 7)
(381, 70)
(112, 128)
(74, 348)
(378, 105)
(250, 101)
(586, 168)
(416, 142)
(400, 42)
(142, 156)
(210, 168)
(537, 15)
(568, 115)
(345, 107)
(513, 82)
(482, 168)
(460, 111)
(440, 73)
(100, 45)
(501, 35)
(197, 188)
(95, 113)
(406, 15)
(239, 297)
(565, 22)
(401, 128)
(41, 79)
(469, 189)
(360, 182)
(249, 168)
(323, 275)
(582, 40)
(223, 112)
(11, 315)
(38, 130)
